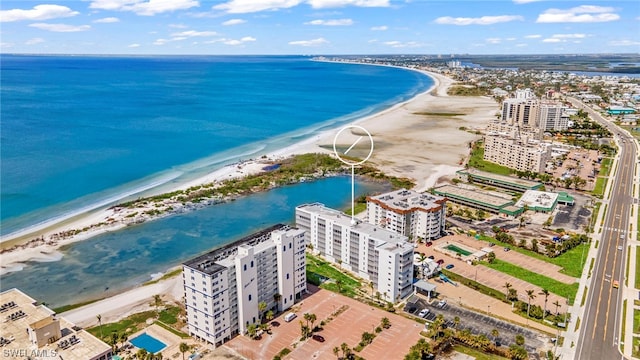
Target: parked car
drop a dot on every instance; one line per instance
(318, 338)
(492, 244)
(506, 249)
(423, 313)
(616, 284)
(289, 317)
(620, 247)
(450, 266)
(442, 303)
(440, 261)
(429, 243)
(431, 257)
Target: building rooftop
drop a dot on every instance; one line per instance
(538, 200)
(525, 184)
(74, 344)
(408, 201)
(374, 232)
(474, 196)
(207, 263)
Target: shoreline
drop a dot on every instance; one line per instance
(44, 244)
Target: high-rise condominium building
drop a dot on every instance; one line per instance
(409, 213)
(516, 153)
(373, 253)
(223, 287)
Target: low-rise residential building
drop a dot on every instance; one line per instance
(479, 199)
(223, 287)
(501, 181)
(33, 331)
(408, 212)
(373, 253)
(538, 201)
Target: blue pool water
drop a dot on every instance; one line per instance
(148, 342)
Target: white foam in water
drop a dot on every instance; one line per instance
(11, 268)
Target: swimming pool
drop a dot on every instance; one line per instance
(148, 342)
(458, 250)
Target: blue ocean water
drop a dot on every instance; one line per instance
(78, 132)
(108, 263)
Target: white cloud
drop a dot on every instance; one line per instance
(314, 42)
(321, 4)
(521, 45)
(494, 40)
(335, 22)
(60, 27)
(234, 22)
(133, 46)
(161, 41)
(234, 42)
(579, 14)
(534, 36)
(372, 41)
(380, 28)
(107, 20)
(143, 7)
(484, 20)
(624, 43)
(569, 36)
(511, 39)
(556, 38)
(5, 45)
(250, 6)
(399, 44)
(192, 33)
(178, 26)
(34, 41)
(39, 12)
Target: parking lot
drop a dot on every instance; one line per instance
(346, 327)
(477, 323)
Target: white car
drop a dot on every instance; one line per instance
(423, 313)
(620, 247)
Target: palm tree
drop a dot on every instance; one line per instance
(544, 292)
(277, 298)
(252, 330)
(495, 334)
(262, 306)
(385, 323)
(530, 296)
(336, 351)
(157, 302)
(100, 324)
(346, 351)
(339, 285)
(371, 286)
(269, 315)
(557, 304)
(508, 286)
(184, 348)
(123, 338)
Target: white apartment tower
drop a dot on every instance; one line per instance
(550, 117)
(373, 253)
(223, 287)
(408, 213)
(516, 153)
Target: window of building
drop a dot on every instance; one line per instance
(287, 276)
(249, 297)
(245, 267)
(251, 263)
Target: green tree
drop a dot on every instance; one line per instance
(517, 352)
(262, 306)
(252, 331)
(269, 315)
(508, 286)
(385, 322)
(184, 347)
(339, 285)
(336, 351)
(491, 257)
(99, 317)
(530, 296)
(519, 340)
(544, 292)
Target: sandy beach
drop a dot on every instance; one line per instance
(419, 139)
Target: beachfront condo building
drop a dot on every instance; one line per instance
(223, 287)
(409, 213)
(378, 255)
(31, 330)
(515, 152)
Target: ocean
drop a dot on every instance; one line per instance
(79, 132)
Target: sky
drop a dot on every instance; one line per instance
(319, 27)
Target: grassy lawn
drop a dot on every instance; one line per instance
(535, 279)
(318, 266)
(636, 347)
(598, 190)
(477, 161)
(605, 166)
(136, 322)
(636, 321)
(624, 323)
(569, 261)
(637, 269)
(479, 355)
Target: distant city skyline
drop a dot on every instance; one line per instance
(340, 27)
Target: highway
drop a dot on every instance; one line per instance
(600, 328)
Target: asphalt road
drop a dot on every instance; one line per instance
(601, 326)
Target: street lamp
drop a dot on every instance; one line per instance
(488, 309)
